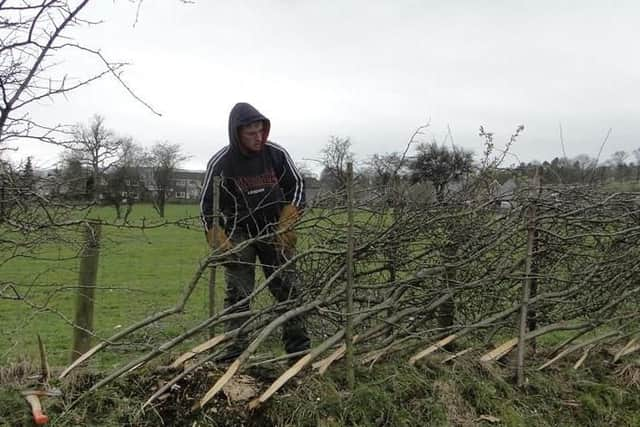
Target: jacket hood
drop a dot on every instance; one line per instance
(243, 114)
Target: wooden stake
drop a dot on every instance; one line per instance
(526, 287)
(212, 270)
(83, 323)
(348, 335)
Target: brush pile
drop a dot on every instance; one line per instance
(473, 271)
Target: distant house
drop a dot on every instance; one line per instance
(185, 185)
(312, 188)
(506, 193)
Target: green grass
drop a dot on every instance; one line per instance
(618, 187)
(140, 272)
(393, 393)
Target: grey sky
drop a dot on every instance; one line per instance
(370, 70)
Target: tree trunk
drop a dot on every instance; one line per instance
(162, 197)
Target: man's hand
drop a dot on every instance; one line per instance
(217, 239)
(287, 237)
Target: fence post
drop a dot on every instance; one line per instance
(395, 202)
(348, 334)
(212, 269)
(532, 315)
(83, 319)
(534, 186)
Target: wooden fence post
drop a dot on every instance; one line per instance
(534, 187)
(83, 319)
(395, 202)
(348, 334)
(212, 269)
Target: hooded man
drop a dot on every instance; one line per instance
(261, 193)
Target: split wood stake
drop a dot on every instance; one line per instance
(583, 358)
(235, 366)
(456, 355)
(500, 351)
(431, 349)
(207, 345)
(624, 349)
(212, 270)
(348, 333)
(526, 287)
(578, 347)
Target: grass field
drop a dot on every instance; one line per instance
(140, 272)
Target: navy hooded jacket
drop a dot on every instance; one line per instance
(254, 187)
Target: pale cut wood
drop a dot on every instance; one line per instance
(630, 350)
(500, 351)
(134, 367)
(207, 345)
(623, 350)
(323, 365)
(235, 366)
(578, 347)
(373, 356)
(456, 355)
(582, 358)
(289, 373)
(433, 348)
(304, 361)
(81, 359)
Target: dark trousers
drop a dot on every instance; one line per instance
(240, 282)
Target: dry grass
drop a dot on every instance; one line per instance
(19, 374)
(628, 374)
(459, 412)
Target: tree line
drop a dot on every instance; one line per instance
(98, 166)
(441, 165)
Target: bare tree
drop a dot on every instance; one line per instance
(98, 149)
(383, 167)
(585, 165)
(34, 45)
(164, 160)
(123, 180)
(618, 157)
(335, 156)
(618, 164)
(73, 178)
(305, 170)
(636, 154)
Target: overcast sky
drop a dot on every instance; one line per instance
(369, 70)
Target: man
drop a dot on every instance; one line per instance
(261, 193)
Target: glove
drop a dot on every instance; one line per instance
(286, 234)
(217, 239)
